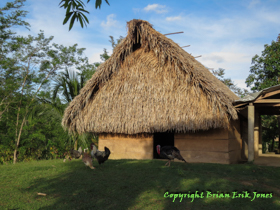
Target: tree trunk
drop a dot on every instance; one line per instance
(18, 139)
(272, 146)
(76, 144)
(26, 112)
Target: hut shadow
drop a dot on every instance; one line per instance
(133, 184)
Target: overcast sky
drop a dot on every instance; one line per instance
(226, 33)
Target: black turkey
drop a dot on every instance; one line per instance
(169, 152)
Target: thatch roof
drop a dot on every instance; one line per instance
(150, 84)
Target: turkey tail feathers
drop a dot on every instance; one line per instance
(179, 157)
(182, 159)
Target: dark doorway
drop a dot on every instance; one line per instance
(162, 139)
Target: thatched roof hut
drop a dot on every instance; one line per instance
(150, 84)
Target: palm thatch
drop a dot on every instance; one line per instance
(148, 85)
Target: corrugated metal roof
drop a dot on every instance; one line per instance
(253, 96)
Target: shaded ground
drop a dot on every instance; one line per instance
(270, 159)
(136, 184)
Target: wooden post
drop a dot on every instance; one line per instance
(256, 135)
(278, 117)
(251, 119)
(174, 33)
(260, 135)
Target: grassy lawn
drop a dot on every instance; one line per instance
(135, 184)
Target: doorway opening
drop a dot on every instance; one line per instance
(162, 139)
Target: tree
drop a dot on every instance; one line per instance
(68, 84)
(10, 16)
(75, 10)
(30, 120)
(228, 82)
(270, 128)
(36, 61)
(67, 81)
(105, 56)
(264, 73)
(115, 43)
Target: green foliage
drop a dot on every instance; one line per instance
(105, 55)
(6, 154)
(69, 82)
(68, 85)
(36, 63)
(228, 82)
(41, 131)
(75, 11)
(38, 79)
(270, 131)
(88, 70)
(265, 69)
(11, 15)
(115, 43)
(30, 118)
(264, 73)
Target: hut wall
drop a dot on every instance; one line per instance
(212, 146)
(235, 142)
(127, 146)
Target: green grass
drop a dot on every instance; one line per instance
(134, 184)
